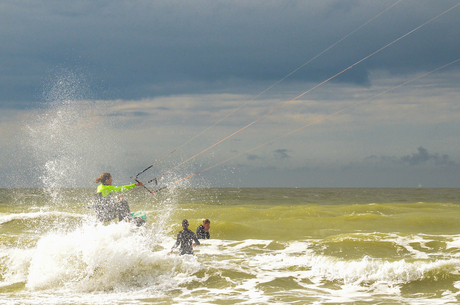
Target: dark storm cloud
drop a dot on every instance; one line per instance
(137, 49)
(423, 156)
(281, 154)
(252, 157)
(133, 114)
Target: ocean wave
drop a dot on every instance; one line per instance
(34, 215)
(96, 257)
(358, 272)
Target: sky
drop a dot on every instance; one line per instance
(326, 93)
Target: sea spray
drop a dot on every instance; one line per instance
(102, 258)
(67, 136)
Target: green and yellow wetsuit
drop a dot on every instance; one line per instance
(108, 208)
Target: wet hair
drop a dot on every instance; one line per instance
(185, 223)
(206, 221)
(103, 178)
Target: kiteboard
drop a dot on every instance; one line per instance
(139, 218)
(140, 214)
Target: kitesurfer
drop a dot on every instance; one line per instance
(109, 206)
(202, 232)
(186, 239)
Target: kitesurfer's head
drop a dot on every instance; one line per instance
(185, 223)
(105, 178)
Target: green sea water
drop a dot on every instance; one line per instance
(285, 246)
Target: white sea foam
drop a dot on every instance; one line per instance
(454, 243)
(357, 272)
(34, 215)
(17, 261)
(100, 258)
(119, 263)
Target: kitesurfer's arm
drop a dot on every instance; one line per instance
(105, 190)
(197, 242)
(123, 188)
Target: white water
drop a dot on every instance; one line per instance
(123, 264)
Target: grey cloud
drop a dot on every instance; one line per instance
(143, 49)
(162, 108)
(423, 156)
(140, 113)
(252, 157)
(282, 154)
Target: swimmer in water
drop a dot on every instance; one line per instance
(202, 232)
(186, 239)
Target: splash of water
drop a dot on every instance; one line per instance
(67, 137)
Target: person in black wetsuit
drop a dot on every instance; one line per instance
(202, 232)
(186, 239)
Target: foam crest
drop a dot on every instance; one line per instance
(358, 272)
(454, 243)
(34, 215)
(100, 258)
(17, 262)
(371, 271)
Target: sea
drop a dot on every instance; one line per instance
(267, 246)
